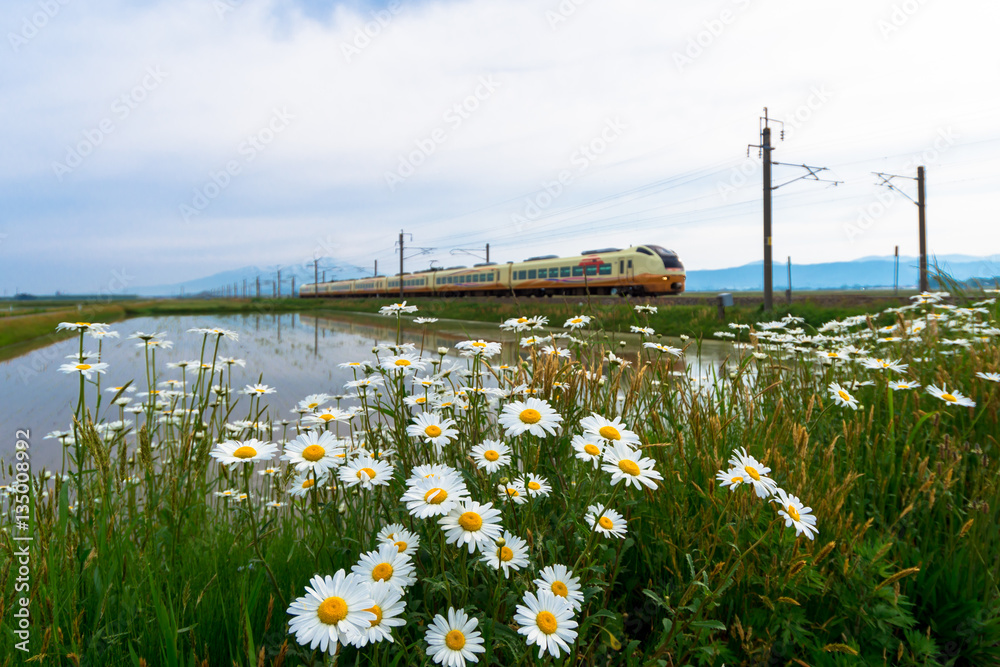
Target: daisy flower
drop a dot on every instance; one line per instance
(315, 450)
(325, 416)
(645, 309)
(258, 389)
(387, 608)
(841, 397)
(434, 496)
(547, 621)
(642, 330)
(532, 414)
(491, 455)
(313, 401)
(606, 521)
(424, 320)
(625, 464)
(513, 492)
(884, 364)
(553, 351)
(365, 471)
(432, 428)
(902, 384)
(663, 348)
(333, 611)
(954, 397)
(398, 536)
(478, 348)
(386, 563)
(454, 640)
(588, 449)
(403, 363)
(731, 478)
(471, 524)
(304, 482)
(795, 513)
(233, 452)
(81, 326)
(535, 485)
(756, 473)
(510, 553)
(609, 431)
(397, 309)
(559, 580)
(84, 369)
(992, 377)
(216, 331)
(577, 322)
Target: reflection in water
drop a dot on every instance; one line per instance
(299, 355)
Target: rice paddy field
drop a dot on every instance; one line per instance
(822, 494)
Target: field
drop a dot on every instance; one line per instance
(829, 497)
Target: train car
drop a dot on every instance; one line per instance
(640, 270)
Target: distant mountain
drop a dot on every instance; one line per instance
(268, 278)
(867, 272)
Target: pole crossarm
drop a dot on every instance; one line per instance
(811, 175)
(886, 180)
(475, 252)
(421, 251)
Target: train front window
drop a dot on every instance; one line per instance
(669, 257)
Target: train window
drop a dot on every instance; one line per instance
(522, 275)
(621, 266)
(644, 251)
(577, 271)
(531, 274)
(630, 264)
(604, 270)
(553, 272)
(591, 270)
(565, 271)
(484, 277)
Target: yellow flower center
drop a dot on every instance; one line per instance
(629, 467)
(367, 471)
(949, 397)
(313, 405)
(245, 452)
(794, 513)
(844, 395)
(83, 367)
(491, 455)
(436, 496)
(752, 472)
(610, 433)
(530, 416)
(534, 486)
(332, 610)
(454, 640)
(382, 572)
(470, 521)
(326, 416)
(605, 523)
(433, 431)
(309, 483)
(479, 344)
(546, 622)
(401, 546)
(83, 324)
(402, 362)
(522, 320)
(377, 610)
(737, 480)
(593, 450)
(505, 554)
(512, 492)
(559, 588)
(313, 453)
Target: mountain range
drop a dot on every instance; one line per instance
(862, 273)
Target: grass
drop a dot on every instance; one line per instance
(135, 560)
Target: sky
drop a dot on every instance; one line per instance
(152, 142)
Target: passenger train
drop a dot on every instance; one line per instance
(639, 270)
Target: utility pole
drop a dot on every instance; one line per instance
(316, 277)
(258, 287)
(376, 269)
(922, 212)
(244, 288)
(293, 286)
(400, 264)
(487, 253)
(277, 286)
(811, 174)
(788, 294)
(886, 180)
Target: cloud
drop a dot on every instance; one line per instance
(371, 87)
